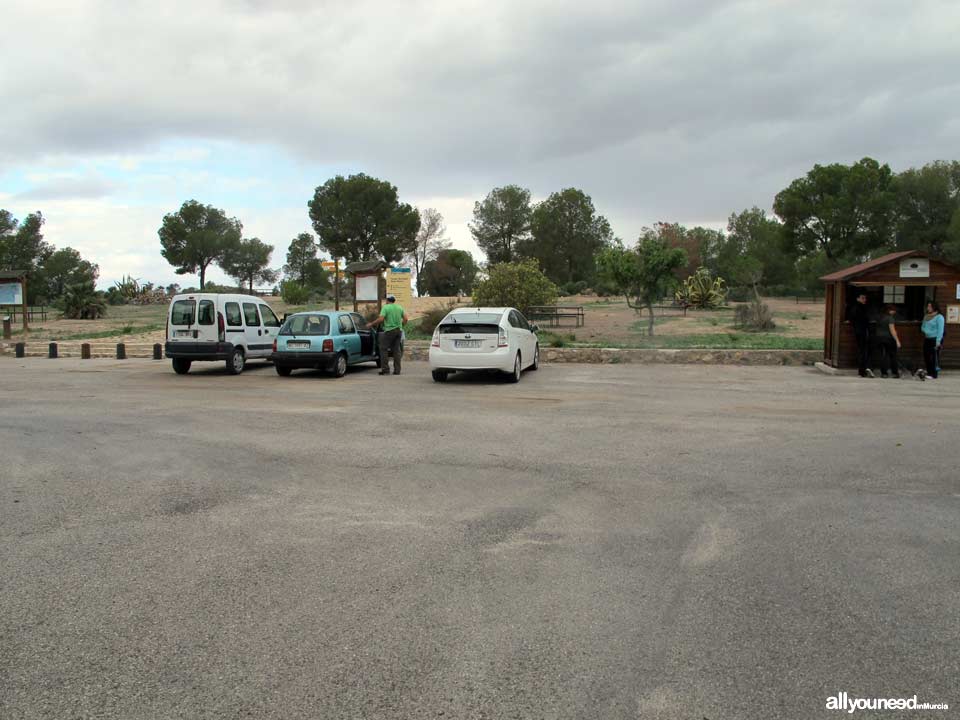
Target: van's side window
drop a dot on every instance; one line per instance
(250, 315)
(205, 316)
(182, 312)
(269, 319)
(233, 314)
(346, 324)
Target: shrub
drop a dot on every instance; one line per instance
(575, 287)
(82, 302)
(520, 285)
(556, 340)
(432, 317)
(293, 293)
(702, 291)
(754, 316)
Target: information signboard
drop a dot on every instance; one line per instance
(11, 294)
(399, 284)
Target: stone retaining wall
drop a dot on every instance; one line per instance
(420, 351)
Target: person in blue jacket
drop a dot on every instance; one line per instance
(932, 329)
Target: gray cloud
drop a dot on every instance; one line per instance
(660, 110)
(68, 188)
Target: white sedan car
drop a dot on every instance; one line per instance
(484, 339)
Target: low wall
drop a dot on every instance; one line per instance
(420, 351)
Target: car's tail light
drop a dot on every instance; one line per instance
(167, 330)
(436, 338)
(221, 329)
(502, 340)
(328, 345)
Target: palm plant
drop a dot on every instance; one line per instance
(82, 302)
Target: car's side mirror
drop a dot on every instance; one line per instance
(534, 327)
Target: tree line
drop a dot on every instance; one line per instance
(833, 216)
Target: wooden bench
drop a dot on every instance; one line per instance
(554, 314)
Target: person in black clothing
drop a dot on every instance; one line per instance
(861, 331)
(889, 342)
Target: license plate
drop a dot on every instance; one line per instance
(466, 343)
(184, 333)
(297, 344)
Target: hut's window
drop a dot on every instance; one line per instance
(893, 294)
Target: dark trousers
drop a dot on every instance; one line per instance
(863, 352)
(888, 356)
(390, 342)
(930, 356)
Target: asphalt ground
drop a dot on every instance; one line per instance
(595, 542)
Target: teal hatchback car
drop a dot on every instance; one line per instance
(329, 341)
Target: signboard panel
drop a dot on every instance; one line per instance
(329, 265)
(400, 285)
(915, 268)
(367, 288)
(11, 294)
(953, 314)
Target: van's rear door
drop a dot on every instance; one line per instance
(206, 326)
(182, 320)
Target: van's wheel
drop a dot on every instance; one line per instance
(236, 362)
(439, 375)
(514, 377)
(536, 358)
(181, 366)
(283, 370)
(340, 366)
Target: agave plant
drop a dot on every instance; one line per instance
(82, 302)
(702, 290)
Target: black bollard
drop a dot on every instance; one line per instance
(121, 351)
(20, 349)
(85, 351)
(157, 351)
(52, 351)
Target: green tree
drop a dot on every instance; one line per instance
(843, 210)
(565, 235)
(81, 301)
(755, 248)
(22, 246)
(452, 272)
(927, 200)
(62, 268)
(518, 284)
(645, 274)
(196, 236)
(360, 218)
(304, 266)
(247, 262)
(501, 221)
(430, 243)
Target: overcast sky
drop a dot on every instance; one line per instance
(681, 110)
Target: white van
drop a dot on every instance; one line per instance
(211, 326)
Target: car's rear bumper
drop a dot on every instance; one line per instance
(303, 359)
(199, 350)
(500, 359)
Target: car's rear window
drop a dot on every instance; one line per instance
(472, 318)
(183, 312)
(472, 328)
(306, 325)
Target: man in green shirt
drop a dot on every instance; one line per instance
(393, 319)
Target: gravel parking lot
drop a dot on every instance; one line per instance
(595, 542)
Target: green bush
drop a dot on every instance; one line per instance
(432, 317)
(82, 302)
(556, 340)
(293, 293)
(520, 285)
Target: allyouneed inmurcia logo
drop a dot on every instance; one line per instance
(843, 701)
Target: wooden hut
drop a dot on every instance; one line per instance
(907, 280)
